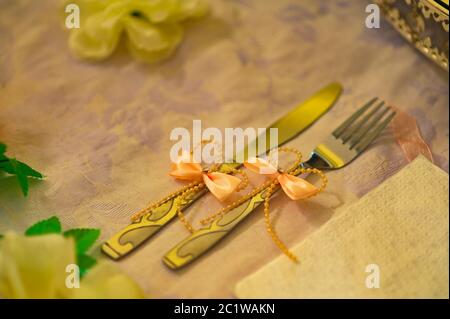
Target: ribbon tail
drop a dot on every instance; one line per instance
(186, 170)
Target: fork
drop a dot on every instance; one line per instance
(340, 148)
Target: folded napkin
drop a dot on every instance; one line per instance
(401, 227)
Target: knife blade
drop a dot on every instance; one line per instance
(289, 126)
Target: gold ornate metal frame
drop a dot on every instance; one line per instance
(424, 23)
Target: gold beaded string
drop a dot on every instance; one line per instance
(194, 189)
(183, 197)
(187, 190)
(267, 220)
(271, 185)
(158, 203)
(235, 204)
(255, 191)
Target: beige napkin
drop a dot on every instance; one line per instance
(394, 238)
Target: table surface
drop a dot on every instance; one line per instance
(100, 132)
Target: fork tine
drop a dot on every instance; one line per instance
(338, 132)
(364, 129)
(351, 131)
(373, 134)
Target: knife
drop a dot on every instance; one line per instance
(289, 126)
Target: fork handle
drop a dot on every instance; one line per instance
(203, 239)
(130, 237)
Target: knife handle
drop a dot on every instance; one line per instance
(129, 238)
(203, 239)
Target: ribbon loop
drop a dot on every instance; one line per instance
(296, 188)
(187, 171)
(219, 184)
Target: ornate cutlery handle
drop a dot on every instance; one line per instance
(203, 239)
(149, 224)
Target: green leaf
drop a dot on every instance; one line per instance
(1, 236)
(6, 166)
(21, 176)
(84, 238)
(20, 169)
(28, 171)
(10, 166)
(2, 148)
(47, 226)
(85, 262)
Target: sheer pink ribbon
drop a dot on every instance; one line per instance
(408, 136)
(219, 184)
(294, 187)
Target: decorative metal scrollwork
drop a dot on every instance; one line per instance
(411, 18)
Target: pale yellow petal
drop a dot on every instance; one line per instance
(156, 11)
(99, 35)
(170, 11)
(152, 43)
(106, 281)
(34, 267)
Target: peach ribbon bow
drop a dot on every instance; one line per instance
(294, 187)
(221, 185)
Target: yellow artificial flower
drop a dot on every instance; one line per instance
(35, 267)
(153, 27)
(105, 281)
